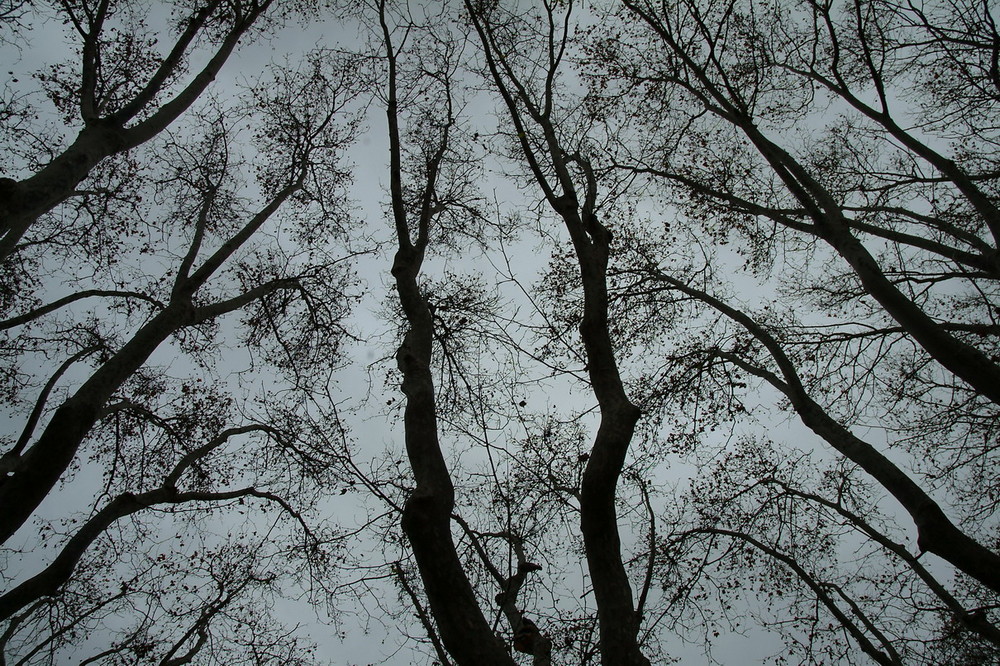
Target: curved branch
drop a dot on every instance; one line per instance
(888, 657)
(52, 577)
(73, 298)
(10, 457)
(937, 533)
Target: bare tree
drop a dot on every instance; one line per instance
(426, 518)
(307, 134)
(759, 217)
(881, 240)
(166, 448)
(122, 91)
(751, 527)
(223, 615)
(561, 169)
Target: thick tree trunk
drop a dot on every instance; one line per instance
(617, 618)
(22, 202)
(426, 520)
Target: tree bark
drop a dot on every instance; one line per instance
(549, 164)
(617, 617)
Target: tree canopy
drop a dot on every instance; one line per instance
(616, 332)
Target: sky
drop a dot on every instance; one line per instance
(365, 384)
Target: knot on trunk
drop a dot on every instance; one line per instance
(403, 261)
(565, 204)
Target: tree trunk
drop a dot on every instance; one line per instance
(617, 617)
(427, 512)
(22, 202)
(39, 469)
